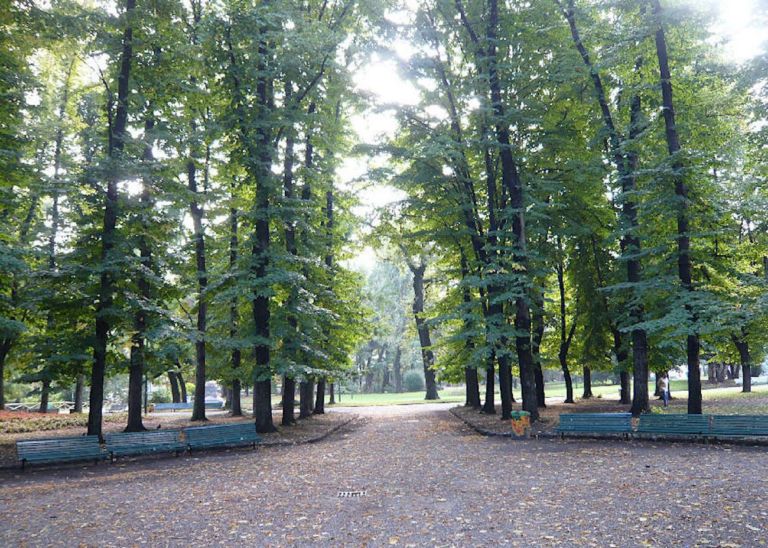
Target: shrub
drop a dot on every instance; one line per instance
(160, 395)
(413, 381)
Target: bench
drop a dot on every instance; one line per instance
(68, 449)
(676, 424)
(594, 423)
(725, 426)
(223, 435)
(152, 442)
(172, 406)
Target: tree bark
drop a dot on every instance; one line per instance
(684, 267)
(234, 315)
(397, 370)
(746, 360)
(79, 382)
(587, 383)
(427, 357)
(331, 394)
(175, 394)
(182, 385)
(489, 405)
(44, 394)
(117, 137)
(289, 401)
(305, 399)
(565, 336)
(138, 339)
(196, 210)
(537, 336)
(320, 400)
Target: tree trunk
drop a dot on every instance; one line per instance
(565, 335)
(625, 396)
(626, 165)
(331, 394)
(262, 397)
(44, 394)
(684, 267)
(537, 336)
(428, 358)
(289, 401)
(305, 399)
(138, 339)
(234, 316)
(587, 383)
(489, 405)
(117, 137)
(473, 388)
(182, 385)
(5, 346)
(398, 374)
(320, 400)
(511, 181)
(79, 382)
(175, 394)
(746, 360)
(196, 210)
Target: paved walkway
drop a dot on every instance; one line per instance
(425, 480)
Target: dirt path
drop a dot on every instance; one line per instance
(427, 480)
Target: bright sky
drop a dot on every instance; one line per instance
(737, 26)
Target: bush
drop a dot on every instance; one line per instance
(160, 395)
(413, 381)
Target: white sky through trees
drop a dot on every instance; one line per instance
(736, 27)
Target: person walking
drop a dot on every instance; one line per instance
(664, 388)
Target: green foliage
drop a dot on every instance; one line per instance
(413, 381)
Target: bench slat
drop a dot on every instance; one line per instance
(143, 443)
(224, 435)
(59, 449)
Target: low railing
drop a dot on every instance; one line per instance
(59, 406)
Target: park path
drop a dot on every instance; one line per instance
(427, 480)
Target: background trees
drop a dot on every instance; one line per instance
(171, 199)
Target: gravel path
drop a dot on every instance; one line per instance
(426, 480)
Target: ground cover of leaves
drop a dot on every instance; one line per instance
(428, 480)
(302, 431)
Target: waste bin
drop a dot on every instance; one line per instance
(521, 424)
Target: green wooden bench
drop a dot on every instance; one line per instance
(674, 424)
(51, 450)
(172, 406)
(738, 426)
(595, 423)
(223, 435)
(151, 442)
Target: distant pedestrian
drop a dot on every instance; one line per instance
(664, 388)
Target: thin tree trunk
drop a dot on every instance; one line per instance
(320, 399)
(79, 382)
(511, 181)
(289, 401)
(396, 368)
(5, 346)
(537, 336)
(117, 137)
(565, 335)
(234, 316)
(196, 210)
(489, 405)
(138, 339)
(44, 394)
(472, 386)
(331, 394)
(175, 394)
(427, 357)
(626, 165)
(587, 383)
(182, 385)
(684, 267)
(742, 345)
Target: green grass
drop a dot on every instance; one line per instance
(454, 395)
